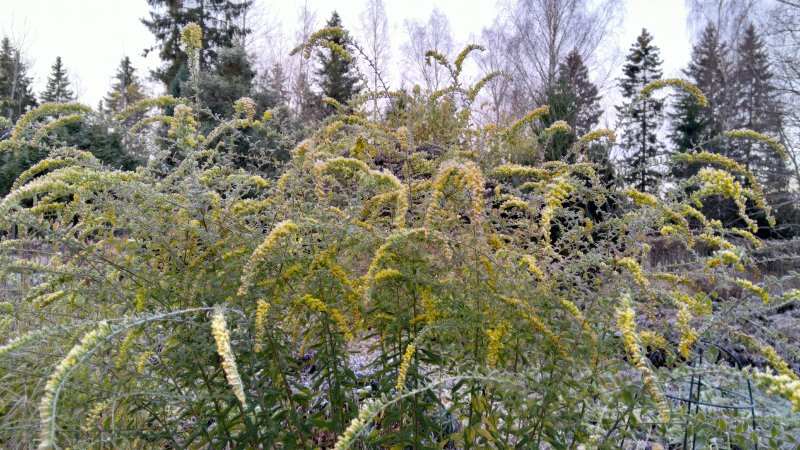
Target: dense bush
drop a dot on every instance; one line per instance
(401, 283)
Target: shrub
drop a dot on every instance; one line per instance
(398, 284)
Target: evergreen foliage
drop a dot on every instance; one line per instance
(641, 117)
(755, 106)
(248, 264)
(708, 70)
(16, 94)
(575, 100)
(126, 90)
(741, 93)
(392, 286)
(229, 78)
(337, 70)
(58, 85)
(219, 20)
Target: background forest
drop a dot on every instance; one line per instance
(520, 242)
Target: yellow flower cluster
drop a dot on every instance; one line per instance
(712, 240)
(721, 182)
(750, 134)
(682, 299)
(784, 385)
(714, 158)
(361, 149)
(49, 401)
(528, 313)
(595, 135)
(727, 258)
(319, 306)
(633, 268)
(165, 101)
(219, 329)
(245, 107)
(466, 174)
(577, 314)
(61, 158)
(627, 327)
(141, 300)
(558, 191)
(515, 202)
(262, 308)
(495, 345)
(143, 358)
(281, 230)
(559, 126)
(432, 313)
(228, 126)
(755, 289)
(642, 198)
(528, 118)
(58, 123)
(45, 300)
(48, 109)
(344, 165)
(530, 263)
(688, 335)
(314, 303)
(387, 274)
(94, 417)
(778, 363)
(405, 363)
(653, 340)
(125, 347)
(747, 235)
(341, 323)
(518, 170)
(678, 83)
(192, 37)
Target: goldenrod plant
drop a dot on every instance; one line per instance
(400, 283)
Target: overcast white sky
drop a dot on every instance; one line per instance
(92, 36)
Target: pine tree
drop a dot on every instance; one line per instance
(640, 118)
(15, 84)
(337, 75)
(756, 107)
(57, 90)
(126, 90)
(219, 21)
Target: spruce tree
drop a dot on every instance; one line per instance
(640, 118)
(336, 74)
(688, 132)
(218, 19)
(694, 126)
(309, 104)
(15, 84)
(755, 100)
(270, 88)
(229, 78)
(276, 82)
(57, 90)
(126, 90)
(575, 100)
(574, 75)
